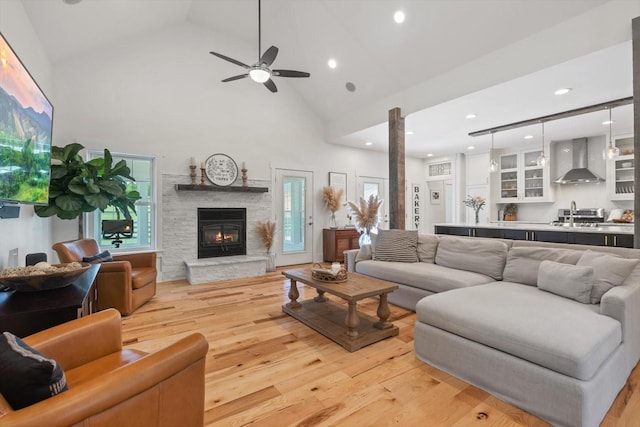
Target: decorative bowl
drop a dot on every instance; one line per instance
(45, 280)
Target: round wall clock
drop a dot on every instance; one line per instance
(221, 169)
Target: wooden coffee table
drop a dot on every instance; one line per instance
(347, 327)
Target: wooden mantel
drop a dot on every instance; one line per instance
(231, 188)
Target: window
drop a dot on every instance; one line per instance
(142, 170)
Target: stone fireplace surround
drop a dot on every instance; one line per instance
(179, 230)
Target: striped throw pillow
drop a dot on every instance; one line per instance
(397, 245)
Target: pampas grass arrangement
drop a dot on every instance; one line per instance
(366, 215)
(331, 198)
(267, 231)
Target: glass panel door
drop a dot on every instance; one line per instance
(294, 216)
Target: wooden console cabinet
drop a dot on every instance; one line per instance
(25, 313)
(337, 240)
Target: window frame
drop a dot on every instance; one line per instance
(91, 219)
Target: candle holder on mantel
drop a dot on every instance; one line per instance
(244, 177)
(202, 176)
(193, 174)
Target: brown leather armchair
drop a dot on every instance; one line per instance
(125, 284)
(112, 386)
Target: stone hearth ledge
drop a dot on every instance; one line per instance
(224, 268)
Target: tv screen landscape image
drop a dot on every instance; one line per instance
(26, 119)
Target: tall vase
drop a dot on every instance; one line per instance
(332, 220)
(271, 261)
(365, 238)
(477, 216)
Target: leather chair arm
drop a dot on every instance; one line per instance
(137, 260)
(101, 394)
(115, 267)
(82, 340)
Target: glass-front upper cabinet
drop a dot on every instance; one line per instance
(620, 170)
(521, 179)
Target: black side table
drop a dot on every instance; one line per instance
(25, 313)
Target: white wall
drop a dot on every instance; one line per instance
(28, 233)
(161, 95)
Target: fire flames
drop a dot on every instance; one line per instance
(227, 237)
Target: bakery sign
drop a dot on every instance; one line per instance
(416, 204)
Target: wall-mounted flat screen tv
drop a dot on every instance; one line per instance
(26, 119)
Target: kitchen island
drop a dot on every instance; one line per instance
(605, 234)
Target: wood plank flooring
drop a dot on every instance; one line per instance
(265, 368)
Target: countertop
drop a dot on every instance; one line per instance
(606, 227)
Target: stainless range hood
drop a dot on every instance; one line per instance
(579, 173)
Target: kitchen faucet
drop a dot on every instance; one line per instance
(572, 210)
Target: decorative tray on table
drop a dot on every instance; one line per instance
(327, 275)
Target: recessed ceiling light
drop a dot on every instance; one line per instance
(528, 137)
(430, 155)
(409, 132)
(399, 17)
(562, 91)
(332, 63)
(471, 147)
(71, 1)
(608, 122)
(471, 116)
(350, 87)
(368, 143)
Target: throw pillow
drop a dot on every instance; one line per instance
(364, 253)
(26, 375)
(397, 245)
(97, 259)
(523, 262)
(566, 280)
(609, 271)
(482, 256)
(427, 247)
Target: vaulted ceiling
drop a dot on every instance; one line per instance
(384, 60)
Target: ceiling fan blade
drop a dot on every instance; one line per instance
(290, 73)
(269, 56)
(226, 58)
(238, 77)
(271, 85)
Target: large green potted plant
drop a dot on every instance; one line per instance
(77, 186)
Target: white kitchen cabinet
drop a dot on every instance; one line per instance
(522, 180)
(620, 171)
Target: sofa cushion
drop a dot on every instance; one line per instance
(397, 246)
(141, 277)
(557, 333)
(484, 256)
(566, 280)
(523, 262)
(422, 275)
(364, 253)
(26, 375)
(609, 271)
(427, 247)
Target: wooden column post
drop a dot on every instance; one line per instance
(396, 170)
(635, 28)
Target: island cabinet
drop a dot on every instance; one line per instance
(551, 236)
(337, 240)
(602, 239)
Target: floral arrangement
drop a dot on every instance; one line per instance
(366, 215)
(267, 231)
(331, 198)
(476, 203)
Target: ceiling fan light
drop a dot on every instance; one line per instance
(259, 75)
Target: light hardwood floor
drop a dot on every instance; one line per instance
(264, 368)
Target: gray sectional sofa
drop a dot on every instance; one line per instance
(551, 328)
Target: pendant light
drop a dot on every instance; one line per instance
(612, 150)
(542, 160)
(493, 165)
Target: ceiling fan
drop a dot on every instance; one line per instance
(260, 71)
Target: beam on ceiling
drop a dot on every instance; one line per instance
(557, 116)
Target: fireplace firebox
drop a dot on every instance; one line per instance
(222, 232)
